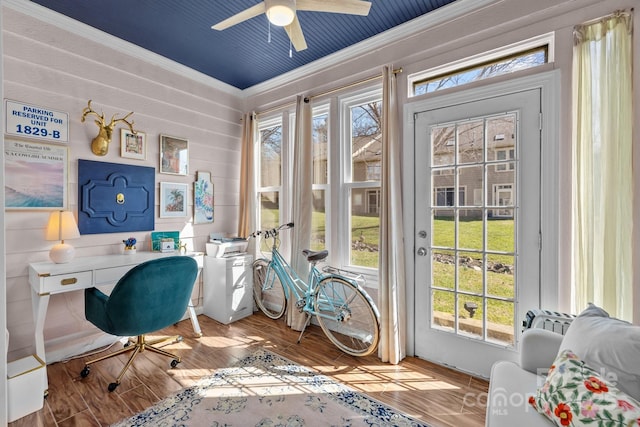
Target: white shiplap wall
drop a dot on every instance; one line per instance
(53, 67)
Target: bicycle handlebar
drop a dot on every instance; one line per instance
(272, 232)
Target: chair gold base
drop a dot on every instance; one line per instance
(137, 347)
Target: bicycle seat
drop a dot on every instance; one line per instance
(315, 256)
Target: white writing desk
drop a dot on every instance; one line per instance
(48, 278)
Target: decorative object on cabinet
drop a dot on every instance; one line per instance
(149, 297)
(173, 200)
(62, 226)
(174, 155)
(100, 144)
(133, 145)
(157, 237)
(130, 246)
(114, 198)
(35, 175)
(203, 199)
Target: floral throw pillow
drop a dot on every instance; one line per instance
(576, 395)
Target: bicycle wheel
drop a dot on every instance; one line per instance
(267, 289)
(347, 316)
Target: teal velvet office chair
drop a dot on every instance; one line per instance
(149, 297)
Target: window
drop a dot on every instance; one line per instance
(519, 56)
(320, 188)
(347, 167)
(270, 173)
(444, 196)
(362, 164)
(507, 155)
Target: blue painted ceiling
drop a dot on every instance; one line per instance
(240, 56)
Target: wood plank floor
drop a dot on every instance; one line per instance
(428, 392)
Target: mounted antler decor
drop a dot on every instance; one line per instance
(100, 144)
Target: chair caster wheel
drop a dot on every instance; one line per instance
(174, 363)
(112, 386)
(85, 372)
(179, 339)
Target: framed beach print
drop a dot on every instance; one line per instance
(173, 200)
(174, 155)
(133, 145)
(35, 175)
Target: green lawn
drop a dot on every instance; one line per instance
(364, 252)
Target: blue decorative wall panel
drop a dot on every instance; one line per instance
(114, 198)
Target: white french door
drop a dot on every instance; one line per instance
(477, 227)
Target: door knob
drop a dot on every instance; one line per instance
(422, 251)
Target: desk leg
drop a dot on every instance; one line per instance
(40, 304)
(194, 320)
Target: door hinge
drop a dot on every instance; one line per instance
(540, 121)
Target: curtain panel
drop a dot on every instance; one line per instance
(391, 292)
(302, 198)
(602, 196)
(247, 208)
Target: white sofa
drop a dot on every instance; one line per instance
(607, 345)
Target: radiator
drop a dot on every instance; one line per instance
(550, 320)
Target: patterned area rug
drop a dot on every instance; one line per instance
(265, 389)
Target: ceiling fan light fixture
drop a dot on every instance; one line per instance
(281, 13)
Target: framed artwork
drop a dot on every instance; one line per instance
(133, 145)
(173, 200)
(35, 175)
(174, 155)
(203, 199)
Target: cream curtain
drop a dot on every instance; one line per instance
(602, 195)
(391, 296)
(246, 221)
(302, 200)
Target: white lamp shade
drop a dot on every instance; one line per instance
(280, 12)
(62, 225)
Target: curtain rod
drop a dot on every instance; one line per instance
(327, 92)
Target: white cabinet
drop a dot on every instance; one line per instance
(228, 288)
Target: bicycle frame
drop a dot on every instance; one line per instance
(295, 286)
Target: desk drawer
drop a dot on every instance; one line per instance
(67, 282)
(110, 276)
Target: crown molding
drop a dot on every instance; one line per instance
(85, 31)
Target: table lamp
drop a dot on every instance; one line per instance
(62, 226)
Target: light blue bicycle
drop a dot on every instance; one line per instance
(345, 312)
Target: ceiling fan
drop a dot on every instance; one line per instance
(283, 13)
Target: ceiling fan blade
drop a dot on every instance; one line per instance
(294, 30)
(240, 17)
(350, 7)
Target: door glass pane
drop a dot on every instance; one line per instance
(270, 156)
(499, 314)
(444, 269)
(470, 316)
(470, 272)
(443, 315)
(365, 227)
(470, 229)
(470, 142)
(473, 176)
